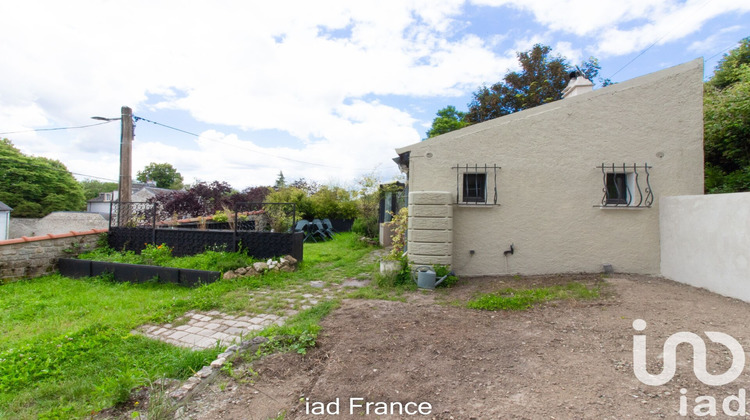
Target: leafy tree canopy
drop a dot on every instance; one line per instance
(36, 186)
(164, 174)
(726, 107)
(448, 119)
(542, 78)
(92, 188)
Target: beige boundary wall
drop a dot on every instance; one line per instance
(34, 256)
(549, 189)
(705, 242)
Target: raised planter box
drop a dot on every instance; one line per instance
(136, 273)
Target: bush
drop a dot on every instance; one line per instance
(365, 227)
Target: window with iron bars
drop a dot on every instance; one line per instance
(626, 185)
(476, 184)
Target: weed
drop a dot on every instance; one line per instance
(521, 299)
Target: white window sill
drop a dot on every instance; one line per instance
(623, 207)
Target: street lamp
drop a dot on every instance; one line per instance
(126, 149)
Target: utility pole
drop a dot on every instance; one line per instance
(126, 178)
(126, 151)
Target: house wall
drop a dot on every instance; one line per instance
(29, 257)
(4, 224)
(549, 189)
(705, 242)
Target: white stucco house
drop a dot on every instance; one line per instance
(569, 186)
(4, 220)
(140, 193)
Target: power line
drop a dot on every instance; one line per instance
(54, 129)
(92, 176)
(236, 145)
(656, 42)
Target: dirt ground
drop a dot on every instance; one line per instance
(565, 360)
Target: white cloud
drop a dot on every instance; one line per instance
(625, 26)
(319, 71)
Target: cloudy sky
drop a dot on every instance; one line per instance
(318, 89)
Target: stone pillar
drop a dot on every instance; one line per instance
(430, 228)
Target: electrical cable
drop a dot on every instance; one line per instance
(238, 146)
(54, 129)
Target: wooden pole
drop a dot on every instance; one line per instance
(126, 149)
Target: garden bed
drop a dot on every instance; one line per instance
(136, 273)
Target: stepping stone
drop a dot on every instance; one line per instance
(318, 284)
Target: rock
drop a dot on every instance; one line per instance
(259, 340)
(250, 271)
(270, 262)
(205, 372)
(229, 275)
(240, 271)
(260, 267)
(287, 268)
(218, 363)
(291, 260)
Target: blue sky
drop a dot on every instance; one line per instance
(322, 90)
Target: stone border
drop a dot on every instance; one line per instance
(207, 373)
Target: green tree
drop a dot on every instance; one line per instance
(36, 186)
(164, 174)
(280, 181)
(541, 79)
(448, 119)
(92, 188)
(726, 107)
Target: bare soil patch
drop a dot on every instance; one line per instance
(563, 360)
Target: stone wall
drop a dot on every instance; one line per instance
(34, 256)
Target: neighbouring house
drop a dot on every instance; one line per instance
(570, 186)
(140, 193)
(4, 220)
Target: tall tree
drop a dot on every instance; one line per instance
(36, 186)
(447, 120)
(726, 107)
(92, 187)
(280, 181)
(542, 78)
(164, 174)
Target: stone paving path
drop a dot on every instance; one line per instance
(202, 330)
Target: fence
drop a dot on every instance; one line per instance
(260, 229)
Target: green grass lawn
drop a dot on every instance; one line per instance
(65, 345)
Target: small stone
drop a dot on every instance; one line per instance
(178, 394)
(291, 260)
(205, 372)
(258, 340)
(260, 267)
(317, 284)
(218, 363)
(240, 271)
(229, 275)
(250, 271)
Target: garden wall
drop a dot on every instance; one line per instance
(705, 242)
(34, 256)
(190, 241)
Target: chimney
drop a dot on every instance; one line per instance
(577, 85)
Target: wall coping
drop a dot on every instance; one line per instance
(25, 239)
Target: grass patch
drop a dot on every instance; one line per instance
(520, 299)
(161, 255)
(299, 332)
(65, 344)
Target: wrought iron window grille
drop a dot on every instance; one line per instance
(473, 184)
(624, 184)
